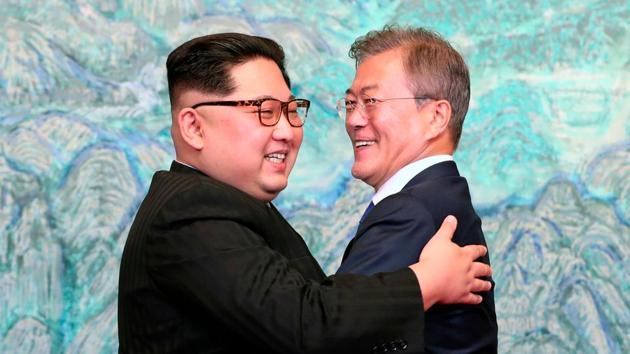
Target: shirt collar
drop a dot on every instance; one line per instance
(185, 164)
(396, 182)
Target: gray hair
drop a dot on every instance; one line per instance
(433, 67)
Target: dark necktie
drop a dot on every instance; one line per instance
(366, 212)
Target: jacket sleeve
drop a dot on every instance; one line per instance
(391, 238)
(208, 256)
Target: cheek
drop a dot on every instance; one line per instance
(248, 150)
(256, 139)
(393, 123)
(299, 136)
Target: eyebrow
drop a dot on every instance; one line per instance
(262, 97)
(362, 90)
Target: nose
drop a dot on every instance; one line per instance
(356, 118)
(283, 130)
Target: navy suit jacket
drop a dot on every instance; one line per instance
(397, 229)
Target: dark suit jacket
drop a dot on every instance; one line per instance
(397, 229)
(207, 268)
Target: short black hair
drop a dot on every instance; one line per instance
(204, 63)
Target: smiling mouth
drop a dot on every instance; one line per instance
(276, 157)
(362, 143)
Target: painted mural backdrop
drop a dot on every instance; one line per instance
(84, 123)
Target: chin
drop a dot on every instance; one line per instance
(269, 198)
(356, 172)
(275, 188)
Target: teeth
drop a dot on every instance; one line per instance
(364, 143)
(277, 158)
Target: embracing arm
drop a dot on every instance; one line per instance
(448, 273)
(207, 258)
(212, 262)
(393, 239)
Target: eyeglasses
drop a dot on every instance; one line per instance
(346, 106)
(270, 109)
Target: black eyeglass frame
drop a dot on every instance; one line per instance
(284, 108)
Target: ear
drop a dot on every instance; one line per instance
(440, 118)
(191, 128)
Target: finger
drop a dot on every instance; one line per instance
(479, 285)
(448, 228)
(472, 299)
(481, 269)
(475, 251)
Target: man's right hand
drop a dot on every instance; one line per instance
(447, 273)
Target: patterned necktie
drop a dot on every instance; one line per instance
(366, 212)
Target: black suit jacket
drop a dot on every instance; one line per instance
(397, 229)
(208, 269)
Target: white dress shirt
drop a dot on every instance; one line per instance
(396, 182)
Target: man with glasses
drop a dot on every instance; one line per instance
(210, 265)
(404, 115)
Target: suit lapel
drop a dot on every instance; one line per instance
(439, 170)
